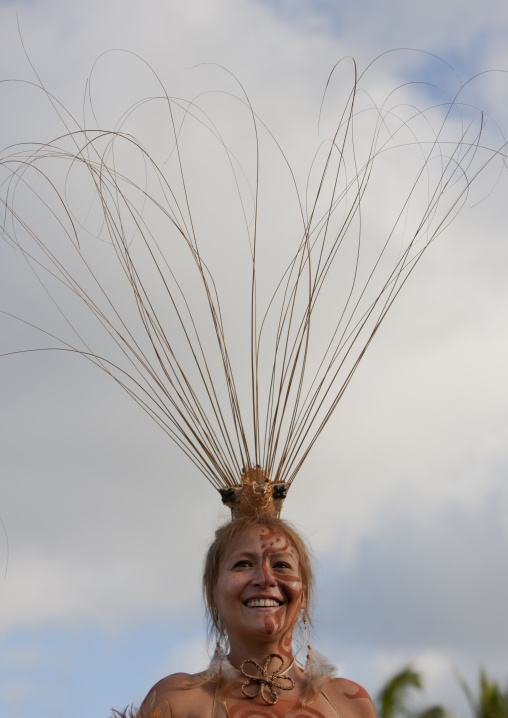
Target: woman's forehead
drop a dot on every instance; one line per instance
(261, 538)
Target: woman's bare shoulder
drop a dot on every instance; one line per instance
(177, 694)
(351, 699)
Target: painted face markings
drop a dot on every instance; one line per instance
(269, 626)
(273, 542)
(262, 564)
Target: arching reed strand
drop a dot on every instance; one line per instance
(177, 258)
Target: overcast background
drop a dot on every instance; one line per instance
(100, 589)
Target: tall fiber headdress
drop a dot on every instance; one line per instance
(127, 240)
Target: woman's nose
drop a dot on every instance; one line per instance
(264, 576)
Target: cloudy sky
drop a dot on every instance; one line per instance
(106, 521)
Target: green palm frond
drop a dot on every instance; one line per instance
(492, 700)
(393, 697)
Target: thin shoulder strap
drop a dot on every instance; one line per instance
(330, 702)
(215, 697)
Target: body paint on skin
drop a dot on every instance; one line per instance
(360, 693)
(269, 626)
(274, 542)
(282, 709)
(261, 564)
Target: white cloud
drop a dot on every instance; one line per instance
(406, 507)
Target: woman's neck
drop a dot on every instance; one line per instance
(241, 651)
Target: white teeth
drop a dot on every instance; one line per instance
(262, 602)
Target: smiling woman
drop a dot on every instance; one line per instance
(258, 585)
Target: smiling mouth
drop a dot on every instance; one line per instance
(262, 603)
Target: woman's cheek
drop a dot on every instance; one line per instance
(285, 617)
(294, 592)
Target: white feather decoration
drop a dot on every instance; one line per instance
(220, 666)
(318, 670)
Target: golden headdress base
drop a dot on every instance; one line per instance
(256, 495)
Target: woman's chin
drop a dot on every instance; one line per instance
(263, 626)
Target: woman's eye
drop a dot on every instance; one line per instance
(243, 563)
(282, 564)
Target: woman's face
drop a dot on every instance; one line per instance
(259, 591)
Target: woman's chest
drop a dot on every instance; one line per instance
(230, 707)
